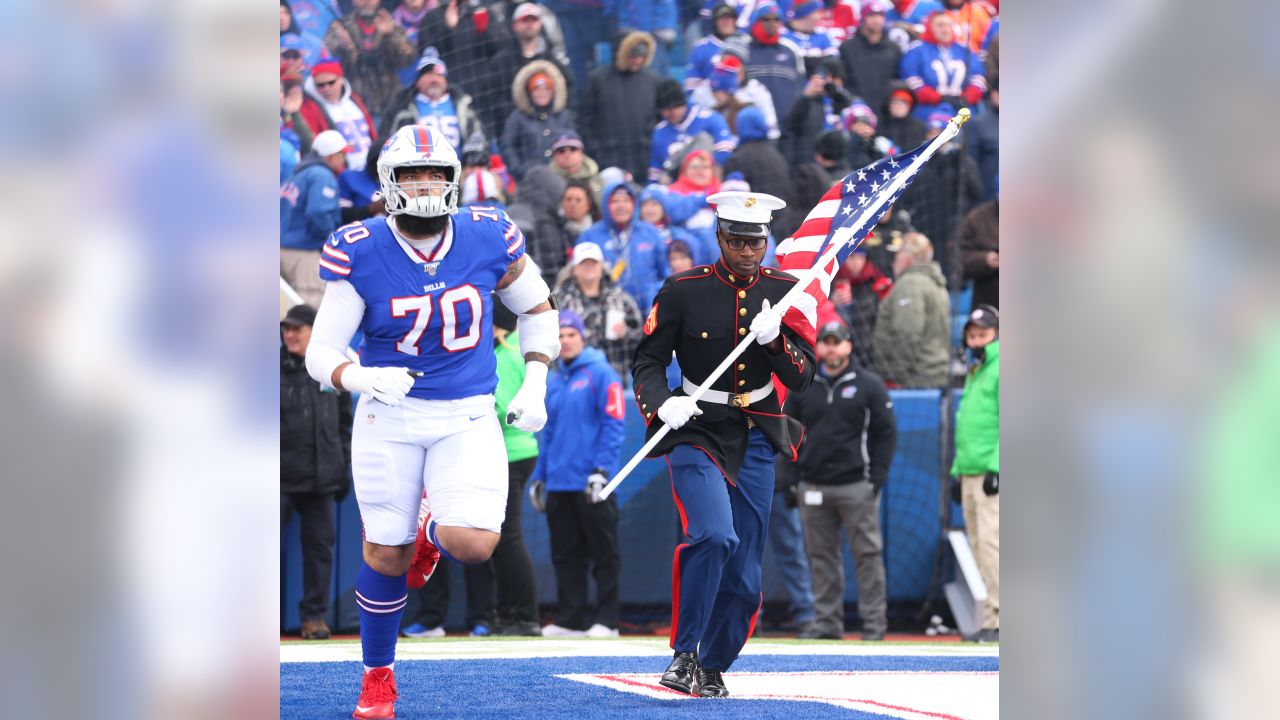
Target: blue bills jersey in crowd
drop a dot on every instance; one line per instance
(702, 60)
(668, 138)
(429, 313)
(949, 70)
(815, 44)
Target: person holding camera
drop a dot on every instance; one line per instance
(977, 461)
(818, 109)
(579, 451)
(844, 462)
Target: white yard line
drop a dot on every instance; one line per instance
(631, 647)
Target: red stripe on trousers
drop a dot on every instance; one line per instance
(751, 629)
(675, 595)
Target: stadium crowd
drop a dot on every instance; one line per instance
(602, 126)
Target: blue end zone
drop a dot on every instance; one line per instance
(527, 688)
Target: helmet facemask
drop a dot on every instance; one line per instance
(429, 198)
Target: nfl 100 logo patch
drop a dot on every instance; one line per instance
(848, 392)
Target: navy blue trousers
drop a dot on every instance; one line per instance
(715, 575)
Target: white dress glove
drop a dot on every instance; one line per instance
(387, 385)
(678, 410)
(596, 483)
(766, 325)
(528, 409)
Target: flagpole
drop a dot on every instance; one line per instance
(841, 238)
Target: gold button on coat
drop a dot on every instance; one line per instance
(704, 335)
(742, 366)
(742, 331)
(743, 311)
(742, 293)
(741, 383)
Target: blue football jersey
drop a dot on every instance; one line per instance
(431, 313)
(668, 138)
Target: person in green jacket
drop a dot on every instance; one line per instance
(517, 607)
(977, 461)
(910, 346)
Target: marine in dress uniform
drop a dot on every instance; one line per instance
(721, 449)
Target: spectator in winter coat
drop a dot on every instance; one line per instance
(315, 462)
(681, 122)
(885, 239)
(619, 108)
(472, 38)
(612, 319)
(980, 253)
(432, 101)
(659, 18)
(760, 163)
(940, 70)
(578, 451)
(331, 104)
(539, 119)
(870, 58)
(982, 139)
(911, 342)
(372, 47)
(705, 54)
(291, 120)
(897, 122)
(679, 256)
(569, 160)
(772, 59)
(698, 180)
(633, 249)
(309, 212)
(865, 144)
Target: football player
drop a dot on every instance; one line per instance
(417, 285)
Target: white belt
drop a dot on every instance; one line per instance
(738, 400)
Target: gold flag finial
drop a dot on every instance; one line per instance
(961, 118)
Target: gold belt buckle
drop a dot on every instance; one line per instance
(740, 400)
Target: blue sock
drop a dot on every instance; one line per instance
(431, 535)
(381, 600)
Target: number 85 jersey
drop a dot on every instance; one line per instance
(429, 312)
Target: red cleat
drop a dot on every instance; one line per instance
(425, 557)
(377, 696)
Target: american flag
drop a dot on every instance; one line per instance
(834, 220)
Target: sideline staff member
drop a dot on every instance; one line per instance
(721, 449)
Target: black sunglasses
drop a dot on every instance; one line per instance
(738, 243)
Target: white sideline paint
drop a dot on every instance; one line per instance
(900, 694)
(445, 649)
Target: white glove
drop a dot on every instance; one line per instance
(596, 483)
(678, 410)
(538, 495)
(528, 410)
(766, 325)
(387, 385)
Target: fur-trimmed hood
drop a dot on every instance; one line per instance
(520, 86)
(629, 41)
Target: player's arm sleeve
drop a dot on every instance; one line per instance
(793, 364)
(662, 328)
(338, 318)
(882, 433)
(512, 239)
(612, 405)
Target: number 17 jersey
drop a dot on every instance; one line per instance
(429, 312)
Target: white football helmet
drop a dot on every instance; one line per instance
(418, 146)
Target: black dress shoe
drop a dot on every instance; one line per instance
(872, 635)
(710, 683)
(679, 674)
(519, 629)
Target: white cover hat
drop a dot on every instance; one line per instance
(750, 208)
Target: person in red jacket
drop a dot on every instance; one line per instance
(331, 104)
